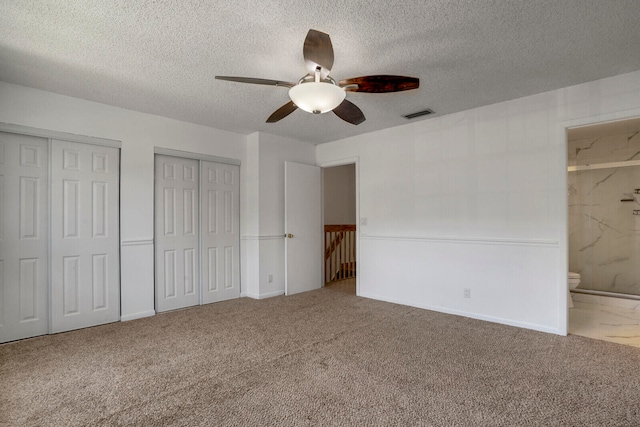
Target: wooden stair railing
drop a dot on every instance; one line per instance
(340, 252)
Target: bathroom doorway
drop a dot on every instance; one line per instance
(604, 230)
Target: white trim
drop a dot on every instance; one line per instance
(525, 325)
(265, 295)
(461, 240)
(50, 238)
(608, 165)
(265, 237)
(138, 315)
(339, 162)
(52, 134)
(195, 156)
(137, 242)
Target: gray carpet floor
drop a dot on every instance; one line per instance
(319, 358)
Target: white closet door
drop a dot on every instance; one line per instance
(23, 237)
(176, 233)
(220, 189)
(85, 271)
(303, 225)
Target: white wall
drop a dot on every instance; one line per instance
(263, 241)
(339, 194)
(139, 134)
(476, 200)
(471, 200)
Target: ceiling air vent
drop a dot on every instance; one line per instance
(418, 114)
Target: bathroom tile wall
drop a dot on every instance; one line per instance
(620, 147)
(604, 233)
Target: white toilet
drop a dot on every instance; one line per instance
(574, 281)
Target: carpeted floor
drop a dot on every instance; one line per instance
(320, 358)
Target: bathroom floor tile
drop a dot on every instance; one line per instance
(607, 323)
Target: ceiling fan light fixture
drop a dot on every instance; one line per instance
(317, 97)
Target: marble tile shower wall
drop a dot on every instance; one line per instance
(604, 233)
(606, 149)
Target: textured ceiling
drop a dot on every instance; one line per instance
(160, 57)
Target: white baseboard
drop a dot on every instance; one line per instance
(138, 315)
(524, 325)
(265, 295)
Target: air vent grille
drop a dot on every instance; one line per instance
(419, 114)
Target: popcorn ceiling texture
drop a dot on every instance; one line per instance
(161, 57)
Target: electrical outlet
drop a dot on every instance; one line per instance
(271, 278)
(363, 221)
(467, 293)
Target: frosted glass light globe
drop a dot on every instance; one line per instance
(317, 97)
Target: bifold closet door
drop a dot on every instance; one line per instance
(85, 271)
(220, 189)
(23, 237)
(176, 233)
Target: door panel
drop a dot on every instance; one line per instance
(303, 222)
(176, 233)
(85, 282)
(221, 235)
(23, 236)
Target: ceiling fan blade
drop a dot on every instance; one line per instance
(349, 112)
(380, 83)
(318, 51)
(282, 112)
(256, 81)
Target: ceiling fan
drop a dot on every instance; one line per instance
(318, 92)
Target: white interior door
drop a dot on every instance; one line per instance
(23, 237)
(176, 233)
(220, 206)
(85, 235)
(303, 225)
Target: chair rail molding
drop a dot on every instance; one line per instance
(136, 242)
(466, 240)
(263, 237)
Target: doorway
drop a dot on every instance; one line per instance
(340, 229)
(604, 218)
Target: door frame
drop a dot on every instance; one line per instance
(199, 157)
(341, 162)
(561, 132)
(50, 135)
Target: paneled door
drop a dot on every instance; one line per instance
(220, 231)
(23, 237)
(176, 233)
(85, 278)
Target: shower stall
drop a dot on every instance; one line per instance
(604, 208)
